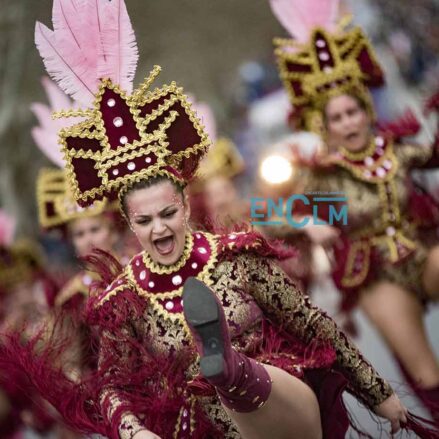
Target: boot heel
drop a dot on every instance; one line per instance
(202, 313)
(241, 383)
(212, 365)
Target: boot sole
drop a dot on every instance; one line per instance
(202, 313)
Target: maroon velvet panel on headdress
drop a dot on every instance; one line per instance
(77, 143)
(119, 123)
(86, 174)
(293, 67)
(372, 71)
(323, 51)
(131, 166)
(49, 208)
(149, 108)
(182, 133)
(297, 88)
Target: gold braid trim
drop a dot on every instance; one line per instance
(154, 298)
(121, 283)
(60, 114)
(150, 143)
(190, 418)
(52, 189)
(361, 155)
(75, 286)
(350, 279)
(359, 171)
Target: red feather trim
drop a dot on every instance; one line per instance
(123, 306)
(250, 241)
(37, 359)
(423, 428)
(111, 314)
(432, 103)
(105, 265)
(405, 126)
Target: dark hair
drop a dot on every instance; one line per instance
(144, 184)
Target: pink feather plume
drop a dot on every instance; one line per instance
(119, 45)
(57, 99)
(46, 134)
(66, 64)
(205, 114)
(90, 40)
(7, 228)
(299, 17)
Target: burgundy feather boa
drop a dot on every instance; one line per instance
(405, 126)
(247, 240)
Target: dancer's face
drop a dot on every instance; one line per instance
(347, 123)
(90, 233)
(158, 216)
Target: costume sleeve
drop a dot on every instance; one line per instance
(116, 313)
(114, 355)
(283, 302)
(418, 156)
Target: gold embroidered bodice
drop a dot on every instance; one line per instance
(375, 184)
(251, 288)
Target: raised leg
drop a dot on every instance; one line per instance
(398, 316)
(263, 401)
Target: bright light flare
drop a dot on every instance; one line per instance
(276, 169)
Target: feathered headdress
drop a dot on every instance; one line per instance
(56, 205)
(127, 134)
(323, 60)
(45, 134)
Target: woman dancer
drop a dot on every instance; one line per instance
(271, 364)
(381, 263)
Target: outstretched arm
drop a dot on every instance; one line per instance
(281, 299)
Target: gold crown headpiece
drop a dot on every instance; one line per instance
(328, 65)
(126, 135)
(222, 159)
(128, 138)
(56, 204)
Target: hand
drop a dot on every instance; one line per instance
(145, 434)
(326, 159)
(393, 410)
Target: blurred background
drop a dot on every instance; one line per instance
(219, 51)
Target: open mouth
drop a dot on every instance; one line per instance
(165, 245)
(352, 136)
